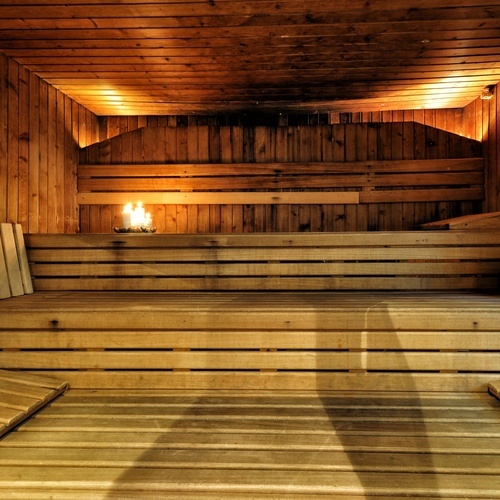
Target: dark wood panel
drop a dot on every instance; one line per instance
(387, 162)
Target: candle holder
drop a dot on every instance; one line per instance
(146, 230)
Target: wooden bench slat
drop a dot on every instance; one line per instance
(265, 269)
(269, 283)
(301, 255)
(282, 240)
(256, 360)
(359, 383)
(139, 480)
(252, 339)
(275, 310)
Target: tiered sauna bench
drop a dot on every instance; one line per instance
(259, 366)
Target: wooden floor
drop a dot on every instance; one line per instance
(97, 444)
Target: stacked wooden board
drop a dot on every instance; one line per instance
(15, 278)
(275, 340)
(362, 311)
(403, 260)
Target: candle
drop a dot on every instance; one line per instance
(140, 214)
(127, 216)
(148, 221)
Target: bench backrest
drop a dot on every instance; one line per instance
(419, 260)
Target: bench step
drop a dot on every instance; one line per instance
(242, 340)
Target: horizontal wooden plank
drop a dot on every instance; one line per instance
(296, 168)
(265, 269)
(270, 283)
(421, 195)
(221, 198)
(263, 460)
(283, 181)
(274, 482)
(328, 239)
(305, 439)
(254, 360)
(313, 381)
(249, 254)
(251, 339)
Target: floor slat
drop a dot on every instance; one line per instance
(206, 444)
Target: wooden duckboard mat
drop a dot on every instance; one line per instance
(256, 445)
(22, 394)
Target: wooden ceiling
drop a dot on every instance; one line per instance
(136, 57)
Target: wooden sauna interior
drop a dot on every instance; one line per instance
(318, 312)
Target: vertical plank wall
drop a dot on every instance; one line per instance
(250, 143)
(41, 131)
(481, 124)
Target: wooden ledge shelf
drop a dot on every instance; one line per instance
(489, 221)
(222, 198)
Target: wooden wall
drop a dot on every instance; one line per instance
(300, 143)
(41, 131)
(480, 123)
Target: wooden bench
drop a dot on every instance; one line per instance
(351, 311)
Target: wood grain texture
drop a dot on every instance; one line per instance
(242, 57)
(22, 394)
(256, 444)
(283, 341)
(309, 166)
(285, 261)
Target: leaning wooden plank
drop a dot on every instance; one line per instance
(11, 259)
(23, 259)
(4, 277)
